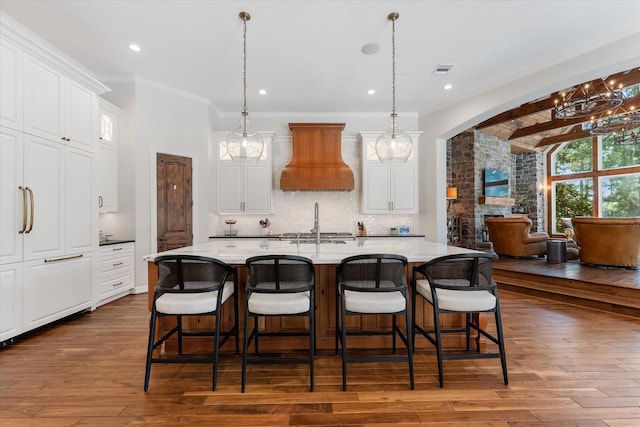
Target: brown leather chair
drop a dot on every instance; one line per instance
(608, 241)
(512, 236)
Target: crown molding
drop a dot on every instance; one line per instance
(40, 48)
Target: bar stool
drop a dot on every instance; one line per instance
(279, 285)
(191, 285)
(460, 283)
(373, 284)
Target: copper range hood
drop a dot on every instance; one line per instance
(316, 162)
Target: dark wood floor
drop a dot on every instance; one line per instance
(605, 288)
(568, 366)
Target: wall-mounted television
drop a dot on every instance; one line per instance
(496, 183)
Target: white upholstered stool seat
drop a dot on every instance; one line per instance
(193, 303)
(454, 300)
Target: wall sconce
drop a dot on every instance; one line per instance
(452, 194)
(542, 188)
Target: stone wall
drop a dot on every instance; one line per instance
(469, 153)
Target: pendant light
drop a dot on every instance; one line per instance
(244, 144)
(394, 145)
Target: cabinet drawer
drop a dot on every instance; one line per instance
(109, 251)
(114, 263)
(115, 285)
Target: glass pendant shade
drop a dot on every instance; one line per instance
(394, 145)
(244, 144)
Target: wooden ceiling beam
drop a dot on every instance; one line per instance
(555, 123)
(626, 78)
(523, 110)
(575, 133)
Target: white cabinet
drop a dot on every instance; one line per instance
(80, 209)
(36, 200)
(116, 272)
(13, 219)
(108, 157)
(10, 300)
(48, 183)
(242, 187)
(10, 85)
(56, 107)
(55, 288)
(388, 187)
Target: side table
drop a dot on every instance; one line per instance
(556, 251)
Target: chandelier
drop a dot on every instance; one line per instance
(587, 100)
(621, 125)
(244, 144)
(394, 145)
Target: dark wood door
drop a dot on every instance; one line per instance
(175, 203)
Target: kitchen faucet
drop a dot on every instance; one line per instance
(316, 223)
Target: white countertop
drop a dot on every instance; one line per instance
(236, 251)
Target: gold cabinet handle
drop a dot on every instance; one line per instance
(66, 258)
(24, 209)
(32, 211)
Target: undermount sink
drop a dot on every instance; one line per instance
(322, 241)
(327, 237)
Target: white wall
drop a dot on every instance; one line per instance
(158, 120)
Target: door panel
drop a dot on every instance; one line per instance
(12, 209)
(44, 176)
(175, 202)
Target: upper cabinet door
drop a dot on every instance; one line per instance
(108, 157)
(58, 108)
(81, 112)
(11, 100)
(43, 100)
(257, 189)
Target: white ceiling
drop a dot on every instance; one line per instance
(307, 54)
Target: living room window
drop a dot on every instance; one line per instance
(594, 176)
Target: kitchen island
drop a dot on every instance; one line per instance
(326, 257)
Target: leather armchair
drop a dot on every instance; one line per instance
(513, 237)
(608, 241)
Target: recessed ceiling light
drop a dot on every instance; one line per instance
(370, 48)
(262, 92)
(448, 86)
(134, 47)
(371, 91)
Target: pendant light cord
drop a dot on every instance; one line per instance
(393, 67)
(244, 67)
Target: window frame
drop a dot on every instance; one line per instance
(595, 174)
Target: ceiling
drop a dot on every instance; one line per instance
(308, 55)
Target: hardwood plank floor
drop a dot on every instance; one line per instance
(568, 366)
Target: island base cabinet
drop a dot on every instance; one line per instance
(56, 288)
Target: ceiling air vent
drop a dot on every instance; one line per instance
(443, 68)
